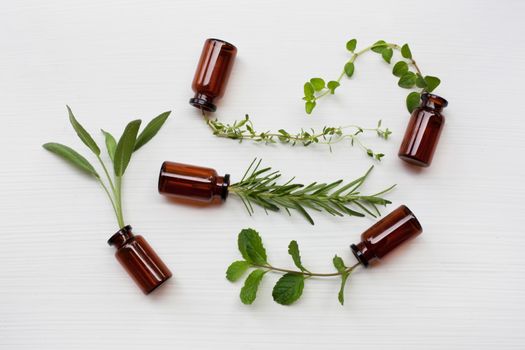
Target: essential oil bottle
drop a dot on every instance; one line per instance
(423, 131)
(385, 235)
(139, 260)
(212, 74)
(192, 182)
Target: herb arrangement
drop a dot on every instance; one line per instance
(406, 70)
(119, 153)
(259, 187)
(289, 287)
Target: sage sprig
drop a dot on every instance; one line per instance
(289, 288)
(244, 130)
(120, 154)
(406, 70)
(259, 186)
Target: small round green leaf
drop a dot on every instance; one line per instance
(288, 289)
(412, 100)
(420, 82)
(379, 46)
(251, 285)
(351, 44)
(387, 54)
(400, 68)
(349, 69)
(405, 51)
(332, 85)
(309, 106)
(432, 83)
(317, 83)
(407, 81)
(236, 270)
(308, 91)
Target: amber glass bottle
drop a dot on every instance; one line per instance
(192, 182)
(423, 131)
(213, 71)
(386, 234)
(139, 260)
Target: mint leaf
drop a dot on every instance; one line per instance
(236, 270)
(251, 247)
(309, 106)
(400, 68)
(293, 250)
(349, 69)
(339, 264)
(288, 289)
(405, 51)
(412, 100)
(379, 46)
(341, 294)
(387, 54)
(251, 285)
(350, 45)
(407, 81)
(83, 134)
(432, 83)
(332, 85)
(317, 83)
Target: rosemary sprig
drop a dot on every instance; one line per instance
(259, 186)
(244, 130)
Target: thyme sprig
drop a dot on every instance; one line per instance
(244, 130)
(289, 287)
(406, 69)
(259, 187)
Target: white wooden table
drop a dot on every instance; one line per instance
(460, 285)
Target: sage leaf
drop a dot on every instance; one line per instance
(387, 54)
(379, 46)
(236, 270)
(71, 156)
(405, 51)
(412, 101)
(407, 81)
(111, 144)
(332, 85)
(317, 83)
(400, 68)
(151, 130)
(251, 285)
(288, 289)
(293, 250)
(125, 147)
(309, 106)
(251, 247)
(432, 83)
(82, 133)
(351, 44)
(349, 69)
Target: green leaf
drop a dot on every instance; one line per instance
(83, 134)
(251, 284)
(349, 69)
(412, 100)
(293, 250)
(432, 83)
(309, 106)
(341, 294)
(339, 264)
(420, 81)
(400, 68)
(151, 130)
(288, 289)
(407, 81)
(71, 156)
(317, 83)
(351, 44)
(236, 270)
(125, 147)
(251, 247)
(405, 51)
(308, 91)
(111, 144)
(332, 85)
(387, 54)
(379, 46)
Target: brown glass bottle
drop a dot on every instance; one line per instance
(192, 182)
(423, 131)
(386, 234)
(139, 260)
(213, 71)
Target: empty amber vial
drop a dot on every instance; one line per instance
(213, 71)
(192, 182)
(423, 131)
(386, 235)
(139, 260)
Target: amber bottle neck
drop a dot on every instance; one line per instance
(203, 102)
(433, 101)
(121, 237)
(222, 184)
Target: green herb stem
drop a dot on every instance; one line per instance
(307, 273)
